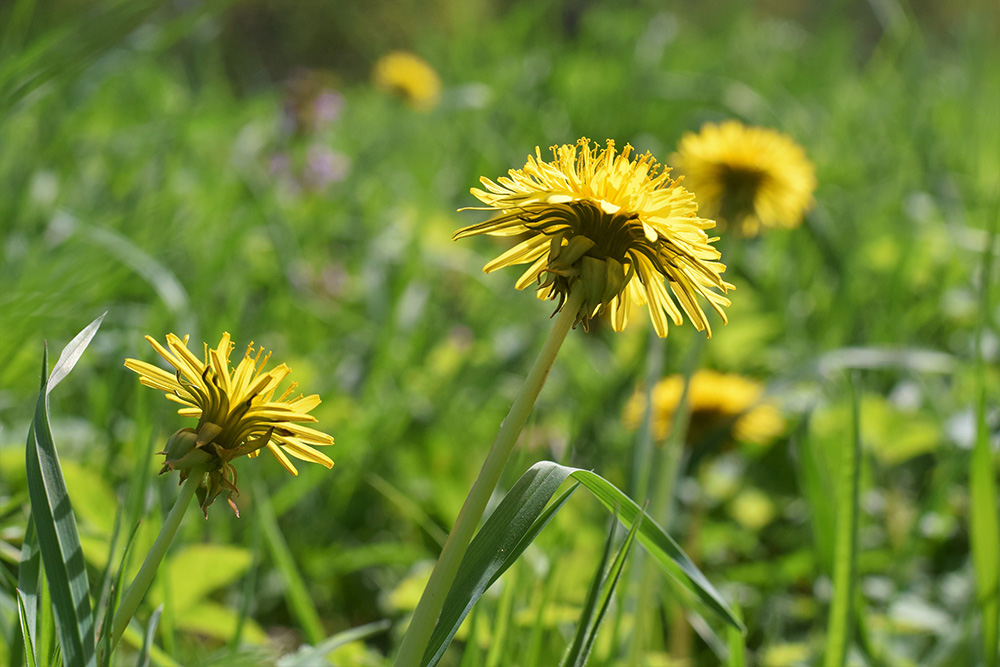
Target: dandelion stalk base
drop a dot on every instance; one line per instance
(133, 596)
(425, 616)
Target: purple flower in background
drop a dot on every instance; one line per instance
(323, 167)
(327, 108)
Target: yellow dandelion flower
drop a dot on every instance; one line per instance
(236, 409)
(748, 178)
(410, 77)
(615, 227)
(721, 404)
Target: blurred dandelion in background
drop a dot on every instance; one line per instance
(747, 178)
(723, 405)
(619, 229)
(409, 76)
(236, 410)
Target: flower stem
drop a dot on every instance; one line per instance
(425, 616)
(133, 596)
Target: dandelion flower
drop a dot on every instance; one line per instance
(236, 409)
(720, 403)
(615, 227)
(748, 178)
(410, 77)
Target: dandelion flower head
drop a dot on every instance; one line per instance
(409, 76)
(237, 411)
(610, 224)
(720, 404)
(748, 178)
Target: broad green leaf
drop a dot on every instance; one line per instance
(92, 498)
(838, 634)
(520, 517)
(58, 537)
(213, 620)
(195, 571)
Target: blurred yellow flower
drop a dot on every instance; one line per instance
(410, 77)
(720, 404)
(236, 410)
(749, 178)
(615, 227)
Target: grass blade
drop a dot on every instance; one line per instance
(27, 588)
(52, 513)
(29, 644)
(984, 523)
(845, 544)
(658, 543)
(147, 638)
(985, 534)
(55, 524)
(576, 647)
(610, 583)
(736, 642)
(296, 591)
(316, 655)
(71, 354)
(111, 592)
(516, 522)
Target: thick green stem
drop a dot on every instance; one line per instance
(425, 616)
(133, 596)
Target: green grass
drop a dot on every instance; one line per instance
(137, 177)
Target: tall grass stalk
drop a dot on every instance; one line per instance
(425, 616)
(984, 522)
(838, 634)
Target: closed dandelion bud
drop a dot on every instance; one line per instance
(593, 282)
(180, 443)
(191, 458)
(567, 255)
(208, 432)
(614, 280)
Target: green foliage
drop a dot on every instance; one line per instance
(599, 597)
(152, 167)
(53, 519)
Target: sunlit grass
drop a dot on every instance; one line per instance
(136, 177)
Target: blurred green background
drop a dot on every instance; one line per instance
(200, 167)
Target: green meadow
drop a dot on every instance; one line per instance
(232, 166)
